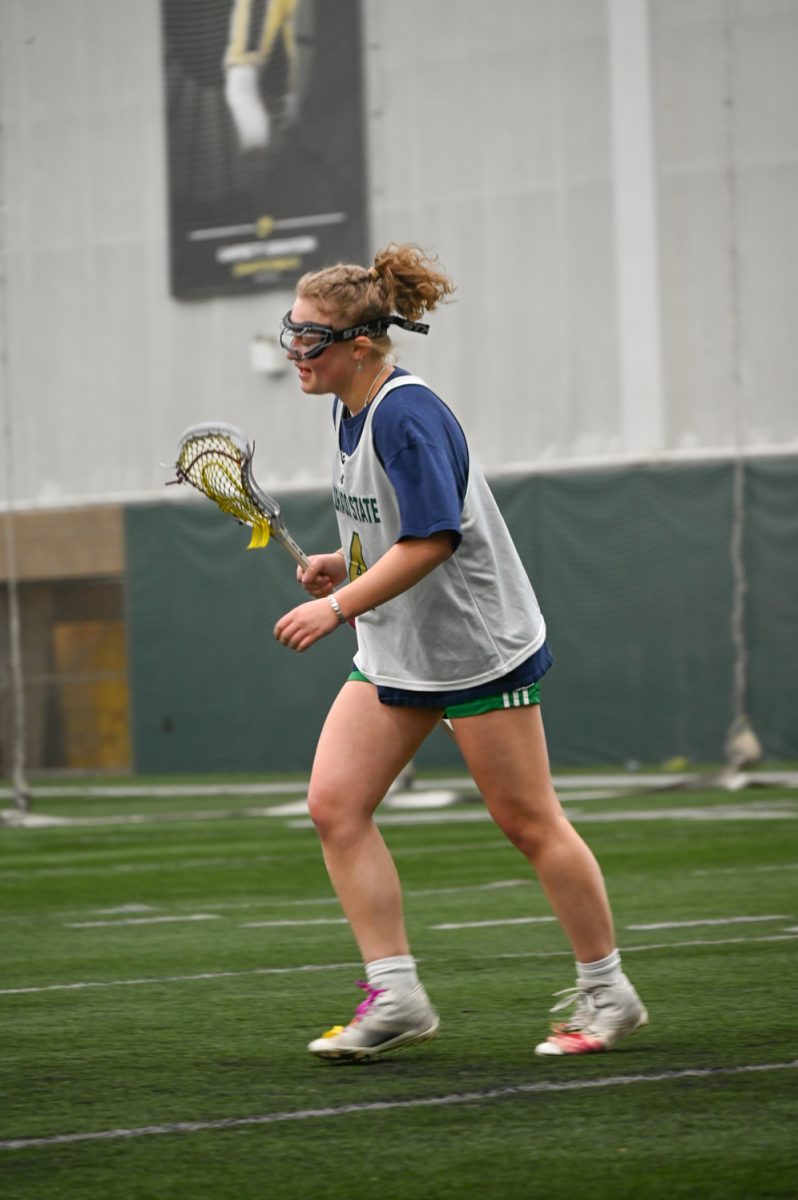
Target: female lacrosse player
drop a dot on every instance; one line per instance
(447, 625)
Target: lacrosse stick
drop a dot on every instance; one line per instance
(216, 459)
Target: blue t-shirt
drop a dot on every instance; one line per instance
(424, 453)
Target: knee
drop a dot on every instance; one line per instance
(322, 810)
(335, 818)
(532, 831)
(526, 835)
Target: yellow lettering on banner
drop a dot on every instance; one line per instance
(267, 264)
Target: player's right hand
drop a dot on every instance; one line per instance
(323, 574)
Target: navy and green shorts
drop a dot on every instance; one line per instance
(519, 688)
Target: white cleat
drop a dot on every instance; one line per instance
(604, 1014)
(384, 1021)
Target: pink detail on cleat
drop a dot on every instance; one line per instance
(371, 995)
(574, 1043)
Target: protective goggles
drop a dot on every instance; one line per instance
(306, 339)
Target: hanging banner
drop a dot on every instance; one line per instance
(265, 138)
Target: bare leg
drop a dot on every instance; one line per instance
(506, 754)
(363, 746)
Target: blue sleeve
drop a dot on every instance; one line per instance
(425, 455)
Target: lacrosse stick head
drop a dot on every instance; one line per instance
(216, 459)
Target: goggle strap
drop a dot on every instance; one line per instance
(367, 329)
(377, 327)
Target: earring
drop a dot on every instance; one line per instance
(360, 364)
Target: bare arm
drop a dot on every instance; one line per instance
(405, 564)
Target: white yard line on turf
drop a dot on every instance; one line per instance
(710, 921)
(158, 791)
(787, 936)
(158, 981)
(374, 1106)
(166, 791)
(131, 868)
(410, 894)
(638, 928)
(301, 922)
(422, 799)
(272, 902)
(497, 921)
(790, 866)
(163, 920)
(278, 924)
(626, 781)
(776, 810)
(209, 976)
(425, 794)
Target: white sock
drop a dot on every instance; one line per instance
(604, 970)
(398, 973)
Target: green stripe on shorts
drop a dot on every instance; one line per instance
(520, 698)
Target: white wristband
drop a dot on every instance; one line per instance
(336, 607)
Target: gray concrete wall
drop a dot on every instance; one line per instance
(612, 183)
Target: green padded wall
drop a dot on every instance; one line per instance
(211, 689)
(633, 570)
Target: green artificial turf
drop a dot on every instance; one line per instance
(141, 992)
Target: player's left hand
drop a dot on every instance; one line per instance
(304, 625)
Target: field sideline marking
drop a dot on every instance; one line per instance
(278, 923)
(370, 1106)
(129, 868)
(163, 920)
(495, 921)
(210, 975)
(787, 936)
(756, 810)
(790, 866)
(155, 982)
(622, 780)
(421, 798)
(268, 902)
(636, 928)
(710, 921)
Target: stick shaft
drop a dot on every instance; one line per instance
(281, 535)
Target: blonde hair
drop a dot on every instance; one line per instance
(402, 280)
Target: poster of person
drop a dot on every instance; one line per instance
(265, 141)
